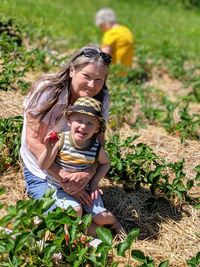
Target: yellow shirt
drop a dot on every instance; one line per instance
(120, 39)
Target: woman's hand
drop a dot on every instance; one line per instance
(94, 190)
(73, 183)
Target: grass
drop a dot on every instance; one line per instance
(71, 23)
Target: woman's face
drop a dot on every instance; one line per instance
(87, 82)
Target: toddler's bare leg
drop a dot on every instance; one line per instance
(91, 231)
(119, 229)
(107, 218)
(104, 218)
(101, 219)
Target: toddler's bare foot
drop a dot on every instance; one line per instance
(119, 230)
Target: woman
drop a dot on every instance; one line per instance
(84, 75)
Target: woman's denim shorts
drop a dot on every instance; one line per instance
(36, 188)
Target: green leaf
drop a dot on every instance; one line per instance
(198, 177)
(197, 206)
(20, 241)
(95, 260)
(105, 236)
(71, 211)
(198, 258)
(197, 168)
(80, 256)
(150, 264)
(115, 264)
(119, 166)
(49, 192)
(47, 204)
(138, 255)
(74, 229)
(6, 219)
(181, 187)
(126, 244)
(132, 236)
(164, 264)
(190, 184)
(87, 220)
(65, 220)
(2, 190)
(49, 251)
(122, 248)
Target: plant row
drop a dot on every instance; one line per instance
(30, 235)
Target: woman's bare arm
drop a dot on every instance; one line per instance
(35, 134)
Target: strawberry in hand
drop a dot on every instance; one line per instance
(54, 136)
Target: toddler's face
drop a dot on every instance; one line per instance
(83, 126)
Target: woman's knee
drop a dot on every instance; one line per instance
(35, 186)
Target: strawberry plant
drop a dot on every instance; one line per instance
(177, 188)
(146, 261)
(32, 235)
(16, 60)
(10, 141)
(194, 261)
(135, 165)
(121, 104)
(197, 169)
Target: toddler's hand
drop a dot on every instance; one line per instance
(51, 139)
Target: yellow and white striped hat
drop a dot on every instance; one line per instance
(89, 106)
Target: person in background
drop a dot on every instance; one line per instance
(45, 106)
(117, 39)
(75, 150)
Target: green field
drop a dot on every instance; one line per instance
(152, 135)
(157, 25)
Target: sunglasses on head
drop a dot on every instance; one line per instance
(90, 53)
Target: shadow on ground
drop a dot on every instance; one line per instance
(140, 209)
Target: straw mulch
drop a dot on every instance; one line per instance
(11, 103)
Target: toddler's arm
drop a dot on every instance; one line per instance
(48, 155)
(104, 166)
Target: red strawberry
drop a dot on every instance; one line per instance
(54, 136)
